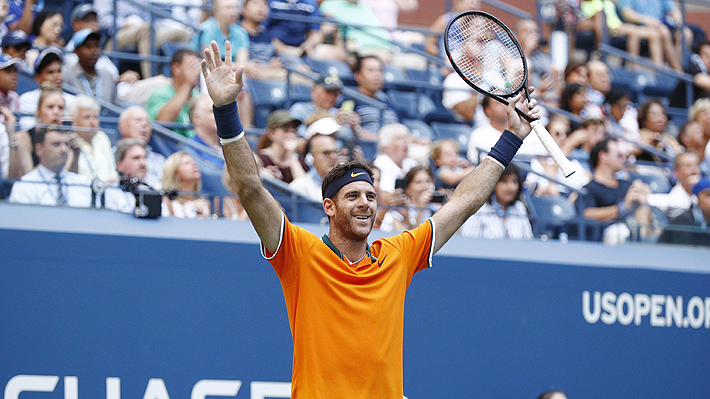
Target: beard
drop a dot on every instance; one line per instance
(347, 225)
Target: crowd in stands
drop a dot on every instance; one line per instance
(638, 173)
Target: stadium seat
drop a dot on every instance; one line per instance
(168, 49)
(332, 67)
(457, 131)
(295, 206)
(25, 83)
(633, 82)
(298, 93)
(395, 78)
(411, 105)
(426, 76)
(267, 96)
(419, 129)
(550, 215)
(658, 183)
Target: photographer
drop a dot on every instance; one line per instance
(418, 191)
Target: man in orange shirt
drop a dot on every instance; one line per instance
(345, 298)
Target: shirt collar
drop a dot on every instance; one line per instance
(337, 252)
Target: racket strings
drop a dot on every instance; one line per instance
(486, 54)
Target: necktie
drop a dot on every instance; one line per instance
(61, 199)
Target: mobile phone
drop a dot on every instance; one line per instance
(438, 198)
(67, 121)
(400, 183)
(347, 106)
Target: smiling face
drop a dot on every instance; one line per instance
(352, 211)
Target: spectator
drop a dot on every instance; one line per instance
(21, 14)
(321, 156)
(222, 27)
(653, 123)
(15, 44)
(451, 168)
(598, 82)
(302, 38)
(611, 200)
(700, 112)
(48, 75)
(368, 73)
(131, 164)
(134, 26)
(49, 183)
(698, 66)
(573, 100)
(276, 151)
(171, 103)
(10, 167)
(419, 190)
(9, 68)
(504, 215)
(86, 75)
(324, 97)
(659, 16)
(595, 10)
(462, 100)
(84, 16)
(205, 129)
(231, 205)
(546, 166)
(134, 123)
(393, 159)
(50, 109)
(692, 138)
(541, 74)
(621, 118)
(582, 140)
(485, 136)
(698, 217)
(576, 72)
(373, 40)
(435, 43)
(47, 29)
(686, 168)
(92, 156)
(183, 175)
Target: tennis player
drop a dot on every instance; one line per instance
(345, 297)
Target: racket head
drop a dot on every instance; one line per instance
(486, 54)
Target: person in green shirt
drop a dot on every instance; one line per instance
(171, 103)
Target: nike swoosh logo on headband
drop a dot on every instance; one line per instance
(353, 174)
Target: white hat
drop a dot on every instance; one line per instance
(325, 126)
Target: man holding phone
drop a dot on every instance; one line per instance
(324, 97)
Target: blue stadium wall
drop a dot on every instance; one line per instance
(101, 305)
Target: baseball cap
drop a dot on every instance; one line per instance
(81, 36)
(14, 38)
(702, 185)
(330, 82)
(82, 10)
(325, 126)
(6, 61)
(48, 55)
(279, 118)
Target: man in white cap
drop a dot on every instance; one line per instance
(321, 155)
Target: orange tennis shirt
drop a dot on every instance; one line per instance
(347, 322)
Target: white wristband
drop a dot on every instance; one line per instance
(231, 139)
(496, 161)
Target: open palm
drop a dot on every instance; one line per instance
(223, 84)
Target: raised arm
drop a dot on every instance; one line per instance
(475, 189)
(223, 85)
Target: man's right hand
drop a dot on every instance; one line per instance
(223, 84)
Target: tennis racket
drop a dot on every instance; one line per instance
(488, 57)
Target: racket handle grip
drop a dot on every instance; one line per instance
(552, 148)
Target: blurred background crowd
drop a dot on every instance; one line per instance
(100, 101)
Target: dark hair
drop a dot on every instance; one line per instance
(570, 90)
(602, 146)
(643, 110)
(698, 46)
(413, 172)
(123, 145)
(180, 54)
(485, 102)
(572, 66)
(340, 170)
(361, 59)
(550, 393)
(512, 169)
(41, 132)
(41, 17)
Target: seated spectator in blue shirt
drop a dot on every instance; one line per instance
(368, 73)
(222, 27)
(301, 36)
(49, 183)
